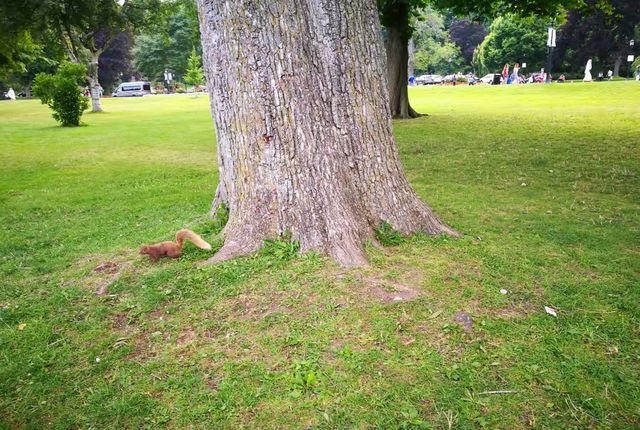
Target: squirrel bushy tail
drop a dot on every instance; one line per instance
(192, 237)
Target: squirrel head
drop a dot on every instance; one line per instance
(144, 250)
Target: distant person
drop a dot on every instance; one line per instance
(505, 72)
(562, 78)
(587, 72)
(600, 75)
(412, 80)
(454, 79)
(609, 74)
(11, 95)
(514, 76)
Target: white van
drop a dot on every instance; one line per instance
(133, 89)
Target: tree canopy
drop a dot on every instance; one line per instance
(512, 39)
(167, 44)
(435, 52)
(600, 31)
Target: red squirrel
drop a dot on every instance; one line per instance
(173, 249)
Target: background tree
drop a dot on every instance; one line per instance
(63, 93)
(114, 63)
(194, 75)
(467, 35)
(166, 43)
(40, 57)
(600, 31)
(513, 40)
(85, 28)
(303, 127)
(396, 17)
(434, 50)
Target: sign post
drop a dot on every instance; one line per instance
(551, 43)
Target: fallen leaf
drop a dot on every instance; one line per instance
(550, 311)
(408, 341)
(21, 326)
(435, 314)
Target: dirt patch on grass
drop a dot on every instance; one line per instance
(252, 306)
(103, 270)
(465, 321)
(385, 291)
(187, 335)
(120, 322)
(514, 311)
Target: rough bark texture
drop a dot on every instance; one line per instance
(303, 126)
(398, 73)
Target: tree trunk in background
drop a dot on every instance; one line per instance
(303, 127)
(616, 66)
(412, 57)
(397, 74)
(94, 84)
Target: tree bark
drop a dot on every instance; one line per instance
(398, 74)
(411, 63)
(616, 66)
(303, 126)
(94, 84)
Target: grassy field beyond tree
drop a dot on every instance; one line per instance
(544, 181)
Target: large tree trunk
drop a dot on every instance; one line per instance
(303, 127)
(94, 84)
(411, 64)
(397, 74)
(616, 65)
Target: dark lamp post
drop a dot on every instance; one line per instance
(551, 43)
(630, 58)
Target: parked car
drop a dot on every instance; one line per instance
(487, 79)
(473, 80)
(436, 79)
(133, 89)
(421, 80)
(428, 79)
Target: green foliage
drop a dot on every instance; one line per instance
(281, 248)
(166, 45)
(303, 378)
(492, 8)
(83, 29)
(600, 31)
(512, 40)
(194, 75)
(434, 50)
(62, 93)
(387, 236)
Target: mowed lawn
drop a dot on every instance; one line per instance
(543, 180)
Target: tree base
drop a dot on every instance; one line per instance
(345, 245)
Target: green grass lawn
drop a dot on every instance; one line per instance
(543, 180)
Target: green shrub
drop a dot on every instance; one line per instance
(62, 93)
